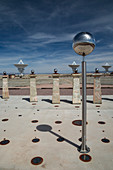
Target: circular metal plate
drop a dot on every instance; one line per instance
(37, 160)
(35, 140)
(4, 120)
(19, 115)
(60, 139)
(34, 121)
(98, 111)
(85, 158)
(101, 122)
(105, 140)
(78, 122)
(4, 142)
(58, 122)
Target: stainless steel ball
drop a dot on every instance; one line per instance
(55, 70)
(32, 71)
(76, 70)
(83, 43)
(96, 70)
(4, 73)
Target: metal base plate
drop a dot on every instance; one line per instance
(86, 150)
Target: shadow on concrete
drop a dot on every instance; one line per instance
(44, 128)
(47, 100)
(107, 99)
(27, 99)
(89, 101)
(47, 128)
(66, 101)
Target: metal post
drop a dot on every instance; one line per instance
(83, 44)
(83, 148)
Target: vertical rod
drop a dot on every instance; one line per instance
(83, 147)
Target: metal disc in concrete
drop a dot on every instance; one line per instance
(35, 140)
(85, 158)
(105, 140)
(37, 160)
(60, 139)
(101, 122)
(34, 121)
(58, 122)
(4, 120)
(4, 142)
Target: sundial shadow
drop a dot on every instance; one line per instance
(26, 99)
(66, 101)
(44, 128)
(48, 128)
(89, 101)
(47, 100)
(107, 99)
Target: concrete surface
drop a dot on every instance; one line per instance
(56, 155)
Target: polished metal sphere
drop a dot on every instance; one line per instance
(4, 73)
(96, 70)
(83, 43)
(32, 71)
(76, 70)
(55, 70)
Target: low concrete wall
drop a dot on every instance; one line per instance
(47, 79)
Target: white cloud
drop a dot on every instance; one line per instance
(49, 38)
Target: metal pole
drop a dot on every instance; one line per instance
(83, 148)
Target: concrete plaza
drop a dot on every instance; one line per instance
(20, 131)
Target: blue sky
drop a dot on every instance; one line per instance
(40, 32)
